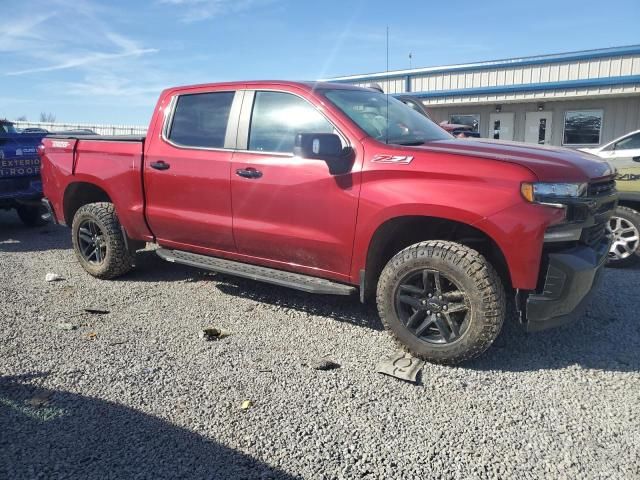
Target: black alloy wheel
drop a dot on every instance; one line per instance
(99, 241)
(91, 242)
(432, 306)
(441, 301)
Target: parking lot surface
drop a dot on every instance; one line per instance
(135, 393)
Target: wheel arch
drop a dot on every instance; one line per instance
(397, 233)
(78, 194)
(633, 204)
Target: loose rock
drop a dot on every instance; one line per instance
(53, 277)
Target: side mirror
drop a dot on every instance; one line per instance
(326, 147)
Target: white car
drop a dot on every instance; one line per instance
(624, 154)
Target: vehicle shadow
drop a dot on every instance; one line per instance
(56, 434)
(151, 268)
(16, 237)
(341, 308)
(606, 338)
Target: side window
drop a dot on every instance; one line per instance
(630, 143)
(278, 117)
(200, 120)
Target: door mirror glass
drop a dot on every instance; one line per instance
(327, 147)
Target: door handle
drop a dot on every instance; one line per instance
(160, 165)
(248, 172)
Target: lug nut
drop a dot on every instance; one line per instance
(428, 312)
(444, 307)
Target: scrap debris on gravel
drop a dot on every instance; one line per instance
(135, 393)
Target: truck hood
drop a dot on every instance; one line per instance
(549, 164)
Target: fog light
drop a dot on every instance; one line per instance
(562, 234)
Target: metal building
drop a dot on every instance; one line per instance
(572, 99)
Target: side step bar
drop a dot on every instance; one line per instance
(297, 281)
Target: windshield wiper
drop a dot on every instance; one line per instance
(409, 143)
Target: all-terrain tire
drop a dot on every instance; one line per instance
(473, 275)
(31, 216)
(629, 217)
(117, 259)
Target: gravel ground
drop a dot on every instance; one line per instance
(136, 394)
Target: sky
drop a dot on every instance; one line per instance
(107, 61)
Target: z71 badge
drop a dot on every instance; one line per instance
(398, 159)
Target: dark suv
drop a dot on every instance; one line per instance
(20, 185)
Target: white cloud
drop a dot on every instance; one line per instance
(46, 43)
(196, 10)
(92, 58)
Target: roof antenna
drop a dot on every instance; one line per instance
(387, 90)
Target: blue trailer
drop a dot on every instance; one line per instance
(20, 185)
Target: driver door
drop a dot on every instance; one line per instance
(287, 211)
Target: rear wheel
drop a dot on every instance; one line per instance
(624, 228)
(31, 215)
(99, 242)
(441, 301)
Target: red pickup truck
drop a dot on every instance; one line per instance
(334, 189)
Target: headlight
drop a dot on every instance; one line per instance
(550, 193)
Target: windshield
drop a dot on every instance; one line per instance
(369, 109)
(6, 127)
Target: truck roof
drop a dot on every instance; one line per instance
(306, 85)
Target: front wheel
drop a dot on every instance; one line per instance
(624, 229)
(99, 242)
(441, 301)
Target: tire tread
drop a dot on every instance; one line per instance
(119, 261)
(491, 292)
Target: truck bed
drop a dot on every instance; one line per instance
(111, 164)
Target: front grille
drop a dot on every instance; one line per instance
(601, 188)
(593, 236)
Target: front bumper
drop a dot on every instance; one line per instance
(569, 282)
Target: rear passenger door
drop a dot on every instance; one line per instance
(187, 172)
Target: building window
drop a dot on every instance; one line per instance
(582, 127)
(470, 120)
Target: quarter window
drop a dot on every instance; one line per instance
(200, 120)
(278, 117)
(582, 127)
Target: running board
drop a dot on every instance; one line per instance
(297, 281)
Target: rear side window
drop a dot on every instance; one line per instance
(200, 120)
(278, 117)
